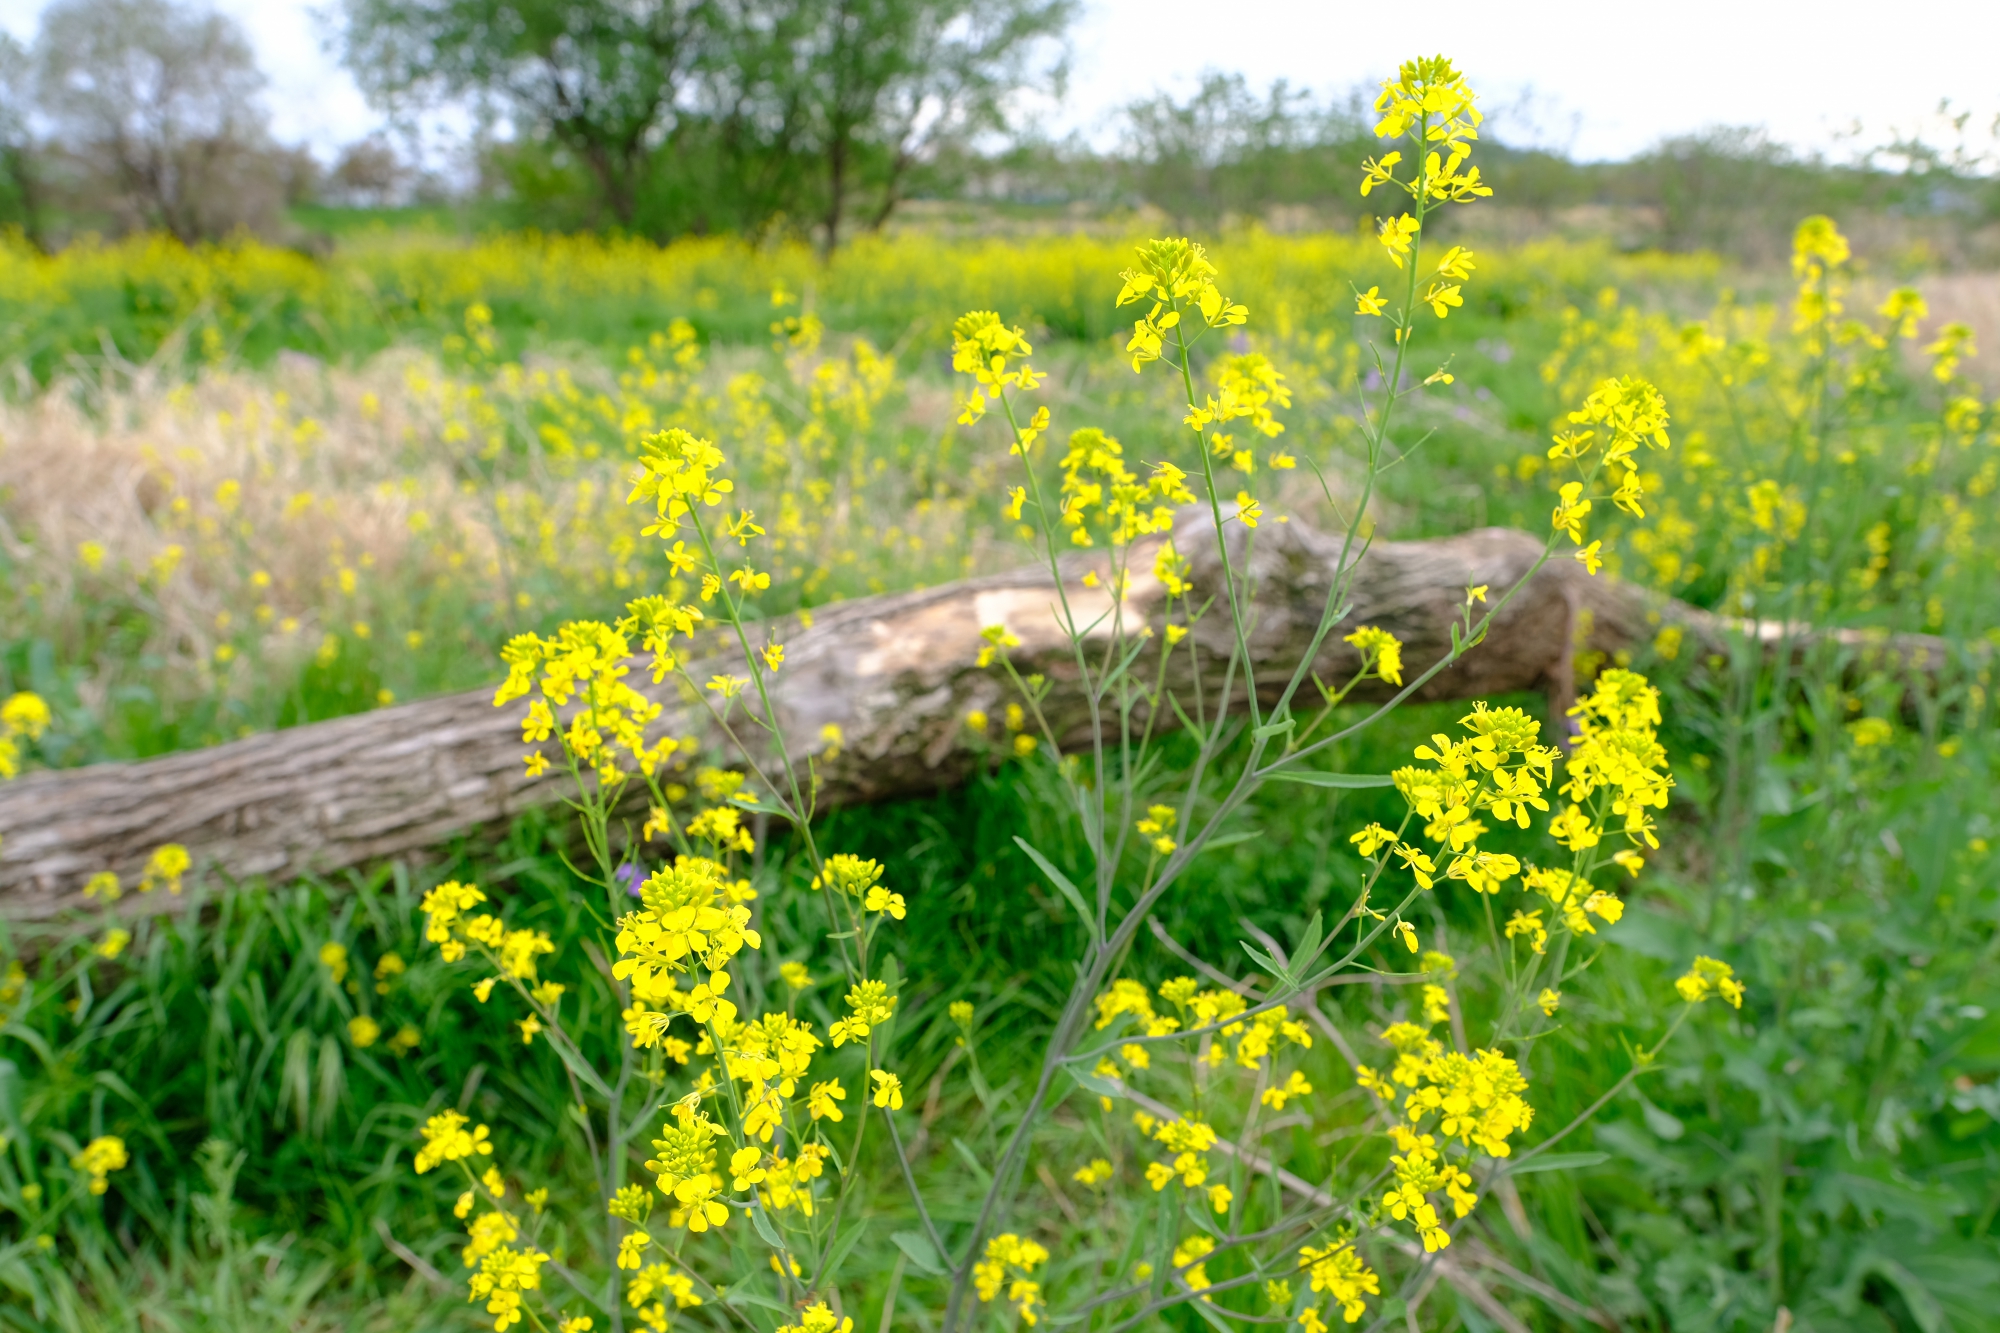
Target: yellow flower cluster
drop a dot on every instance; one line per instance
(1010, 1262)
(654, 1281)
(23, 716)
(503, 1275)
(1248, 388)
(1476, 1101)
(1381, 653)
(1617, 764)
(985, 348)
(1618, 416)
(1710, 977)
(1573, 900)
(684, 1164)
(691, 919)
(164, 869)
(1341, 1273)
(1430, 102)
(819, 1318)
(860, 880)
(676, 472)
(1187, 1256)
(446, 1139)
(1500, 769)
(582, 667)
(99, 1158)
(1098, 491)
(1177, 277)
(449, 925)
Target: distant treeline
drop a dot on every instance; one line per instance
(1285, 159)
(819, 119)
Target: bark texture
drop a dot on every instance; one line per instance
(895, 673)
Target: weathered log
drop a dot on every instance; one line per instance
(895, 673)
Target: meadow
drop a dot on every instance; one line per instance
(245, 489)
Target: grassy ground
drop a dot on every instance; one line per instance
(1832, 1149)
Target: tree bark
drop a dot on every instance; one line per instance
(895, 673)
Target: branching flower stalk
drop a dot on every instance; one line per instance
(746, 1096)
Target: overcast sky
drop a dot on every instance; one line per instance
(1610, 78)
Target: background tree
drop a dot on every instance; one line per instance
(20, 179)
(709, 115)
(601, 78)
(368, 174)
(891, 80)
(156, 103)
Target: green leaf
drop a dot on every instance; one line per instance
(1310, 943)
(1265, 961)
(741, 1296)
(1062, 883)
(1227, 840)
(1096, 1083)
(982, 1175)
(1270, 729)
(841, 1249)
(1558, 1161)
(918, 1248)
(764, 1227)
(1313, 777)
(759, 805)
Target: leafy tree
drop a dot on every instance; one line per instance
(886, 81)
(699, 115)
(601, 78)
(156, 103)
(20, 174)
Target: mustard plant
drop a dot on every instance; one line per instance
(730, 1138)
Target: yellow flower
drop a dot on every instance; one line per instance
(1396, 235)
(1442, 299)
(113, 943)
(1382, 654)
(333, 957)
(888, 1089)
(818, 1318)
(1710, 977)
(447, 1140)
(166, 866)
(1093, 1173)
(1337, 1270)
(1550, 1001)
(820, 1101)
(363, 1031)
(104, 884)
(99, 1158)
(1369, 302)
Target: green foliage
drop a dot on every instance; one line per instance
(674, 116)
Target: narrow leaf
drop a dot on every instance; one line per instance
(764, 1227)
(1558, 1161)
(1313, 777)
(1063, 885)
(917, 1247)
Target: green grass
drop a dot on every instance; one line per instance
(1826, 1115)
(1831, 1149)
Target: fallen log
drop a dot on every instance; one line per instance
(896, 674)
